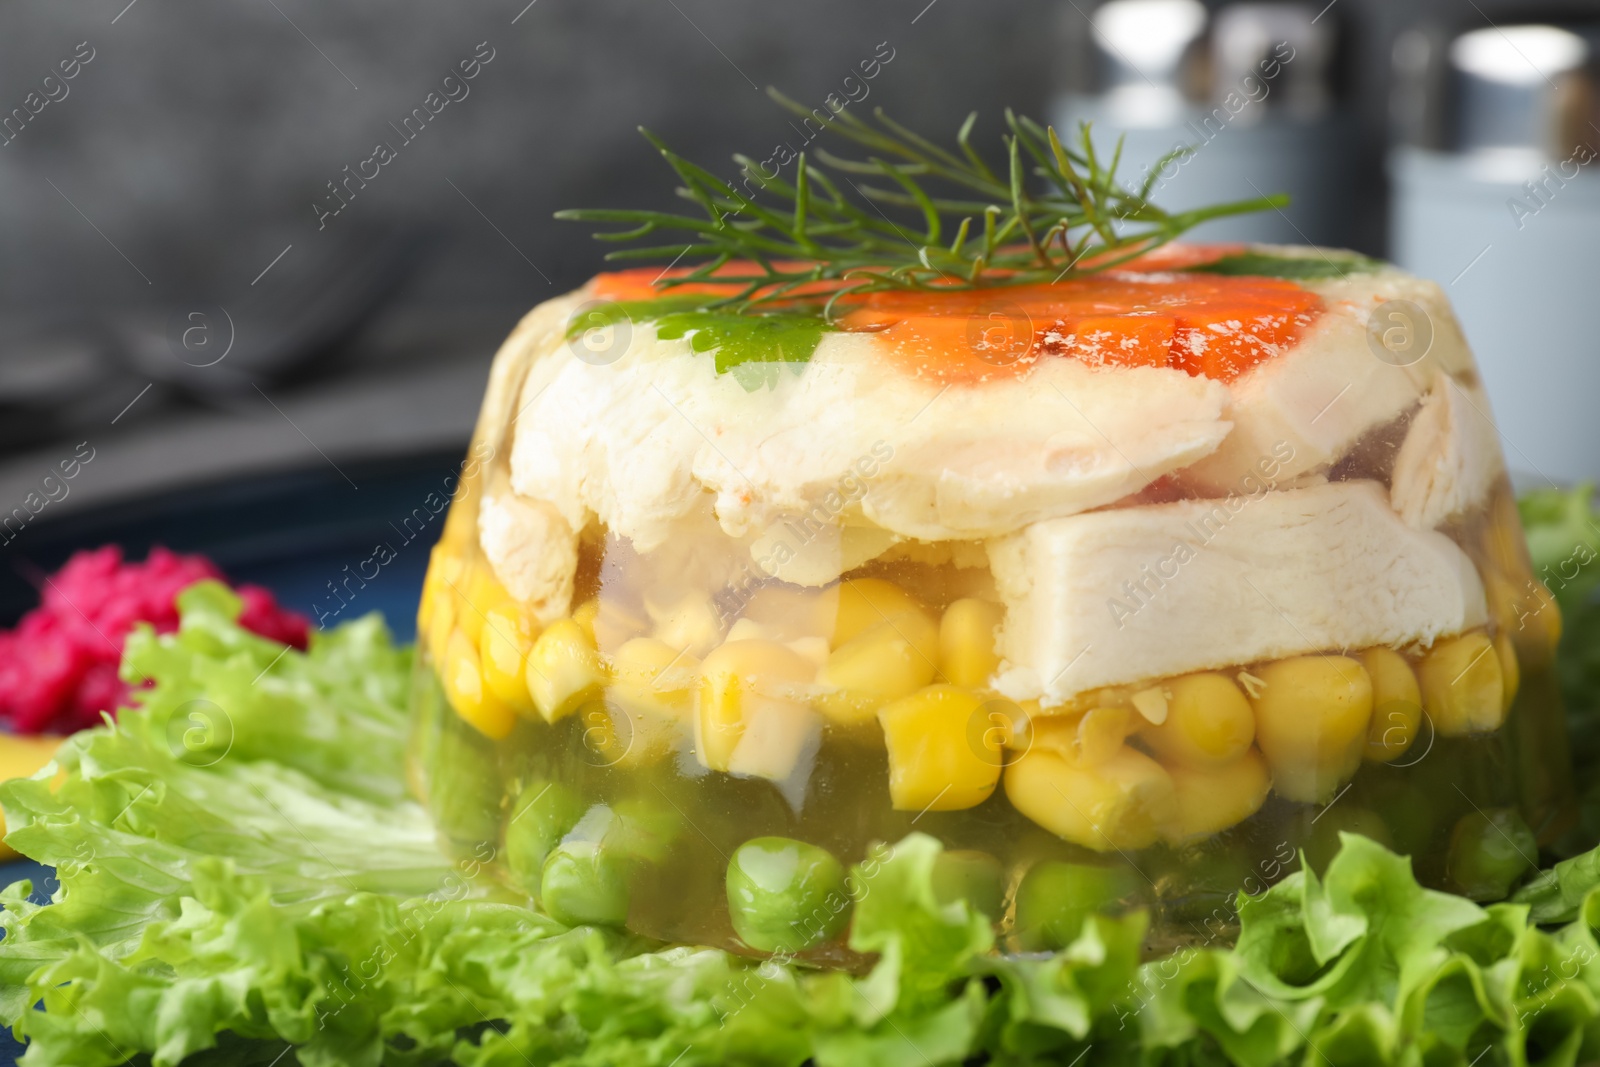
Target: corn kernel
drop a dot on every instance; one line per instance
(441, 624)
(1311, 723)
(867, 602)
(616, 623)
(652, 677)
(690, 621)
(478, 593)
(503, 648)
(1463, 685)
(469, 618)
(741, 681)
(1101, 732)
(564, 670)
(1119, 804)
(584, 615)
(1212, 798)
(445, 567)
(1019, 718)
(1510, 669)
(814, 649)
(933, 766)
(966, 642)
(1396, 705)
(1000, 728)
(1528, 613)
(788, 611)
(461, 520)
(432, 583)
(1055, 733)
(608, 624)
(882, 663)
(1209, 722)
(750, 630)
(1089, 737)
(462, 679)
(776, 737)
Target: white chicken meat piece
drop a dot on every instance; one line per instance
(847, 439)
(1315, 400)
(1136, 593)
(533, 551)
(1449, 460)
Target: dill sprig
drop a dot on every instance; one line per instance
(909, 215)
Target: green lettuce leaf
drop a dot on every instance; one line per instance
(1563, 542)
(242, 880)
(1563, 534)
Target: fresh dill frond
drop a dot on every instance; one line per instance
(907, 214)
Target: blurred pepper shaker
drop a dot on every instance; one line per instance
(1496, 198)
(1248, 90)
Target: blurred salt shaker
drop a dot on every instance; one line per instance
(1497, 198)
(1248, 89)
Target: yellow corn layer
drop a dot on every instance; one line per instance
(1463, 685)
(1312, 717)
(462, 678)
(883, 662)
(1208, 722)
(503, 646)
(743, 684)
(1175, 759)
(651, 677)
(1120, 803)
(865, 602)
(1089, 738)
(934, 764)
(1211, 798)
(966, 642)
(1396, 705)
(563, 670)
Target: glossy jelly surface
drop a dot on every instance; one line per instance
(1153, 687)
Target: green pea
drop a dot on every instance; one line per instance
(1056, 897)
(585, 878)
(785, 895)
(648, 832)
(976, 877)
(543, 813)
(1490, 851)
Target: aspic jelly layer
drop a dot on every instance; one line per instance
(1170, 759)
(1109, 632)
(606, 812)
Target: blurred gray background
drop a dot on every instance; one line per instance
(177, 176)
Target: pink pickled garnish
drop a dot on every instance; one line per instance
(58, 667)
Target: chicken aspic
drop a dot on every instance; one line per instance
(1130, 588)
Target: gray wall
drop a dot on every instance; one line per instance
(199, 135)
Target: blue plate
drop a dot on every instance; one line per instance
(310, 536)
(307, 535)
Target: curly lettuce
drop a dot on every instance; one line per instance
(243, 880)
